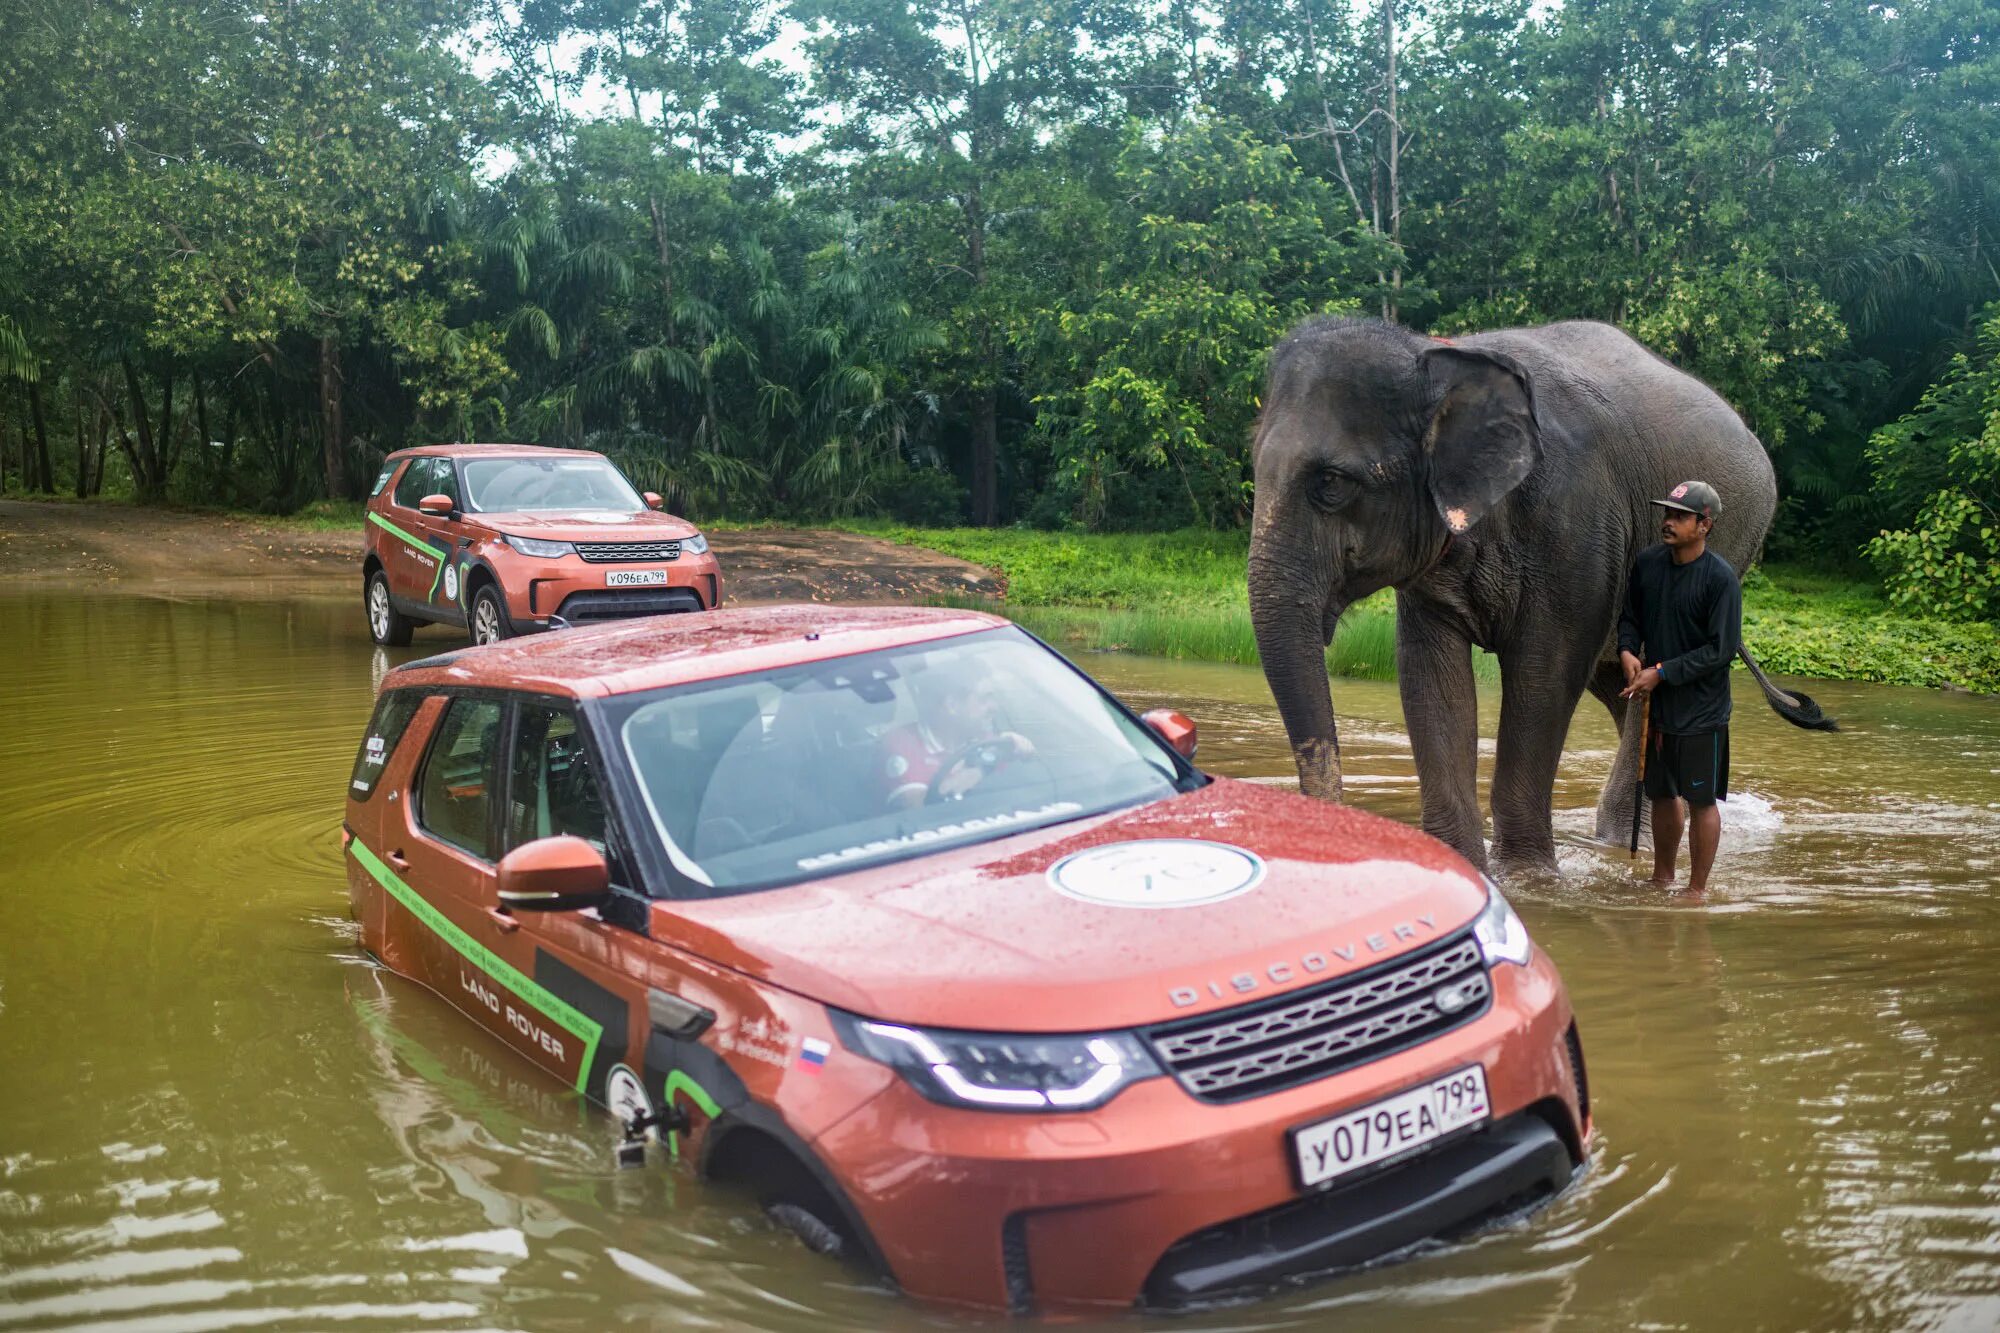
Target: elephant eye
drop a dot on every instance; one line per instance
(1333, 489)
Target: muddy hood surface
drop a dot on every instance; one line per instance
(987, 938)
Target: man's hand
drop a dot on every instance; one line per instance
(1644, 683)
(1630, 661)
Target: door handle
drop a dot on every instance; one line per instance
(397, 860)
(507, 922)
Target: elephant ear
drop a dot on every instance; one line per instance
(1483, 438)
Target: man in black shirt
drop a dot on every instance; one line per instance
(1682, 624)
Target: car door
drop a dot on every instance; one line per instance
(411, 556)
(600, 960)
(445, 534)
(480, 961)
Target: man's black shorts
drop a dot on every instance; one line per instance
(1694, 768)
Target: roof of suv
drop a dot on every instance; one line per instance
(628, 656)
(487, 451)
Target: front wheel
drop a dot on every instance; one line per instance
(386, 625)
(489, 616)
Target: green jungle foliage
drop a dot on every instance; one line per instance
(1944, 458)
(1182, 594)
(999, 261)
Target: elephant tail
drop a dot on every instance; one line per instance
(1794, 706)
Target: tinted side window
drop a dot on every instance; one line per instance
(555, 790)
(413, 485)
(382, 478)
(455, 793)
(393, 712)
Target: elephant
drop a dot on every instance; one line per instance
(1500, 483)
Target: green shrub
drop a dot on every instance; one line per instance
(1946, 562)
(924, 497)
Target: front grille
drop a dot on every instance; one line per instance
(612, 553)
(1282, 1043)
(627, 604)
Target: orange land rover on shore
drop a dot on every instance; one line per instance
(902, 922)
(507, 538)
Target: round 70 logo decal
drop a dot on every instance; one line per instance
(1158, 873)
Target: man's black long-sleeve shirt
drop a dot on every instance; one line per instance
(1687, 620)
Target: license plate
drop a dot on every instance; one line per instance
(1380, 1130)
(635, 578)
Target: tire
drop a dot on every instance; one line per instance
(487, 621)
(813, 1232)
(386, 625)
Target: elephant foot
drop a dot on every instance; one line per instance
(1515, 863)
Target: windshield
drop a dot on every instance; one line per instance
(514, 485)
(764, 779)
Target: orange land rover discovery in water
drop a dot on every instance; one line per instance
(902, 922)
(506, 538)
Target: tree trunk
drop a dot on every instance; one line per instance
(139, 452)
(1391, 306)
(103, 444)
(986, 401)
(986, 458)
(46, 478)
(201, 419)
(82, 441)
(666, 253)
(329, 415)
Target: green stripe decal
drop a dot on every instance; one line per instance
(419, 543)
(680, 1082)
(537, 997)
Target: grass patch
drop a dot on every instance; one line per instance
(319, 516)
(1117, 571)
(1182, 594)
(1803, 622)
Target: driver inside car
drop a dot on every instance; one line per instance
(954, 742)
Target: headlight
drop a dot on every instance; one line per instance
(695, 545)
(541, 550)
(999, 1071)
(1502, 937)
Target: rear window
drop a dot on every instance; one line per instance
(455, 791)
(393, 712)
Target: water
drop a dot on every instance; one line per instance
(215, 1113)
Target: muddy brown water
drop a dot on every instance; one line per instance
(216, 1113)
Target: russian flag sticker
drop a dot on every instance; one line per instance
(813, 1054)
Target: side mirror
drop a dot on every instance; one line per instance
(653, 500)
(554, 875)
(437, 506)
(1176, 729)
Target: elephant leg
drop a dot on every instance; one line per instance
(1538, 696)
(1441, 710)
(1614, 803)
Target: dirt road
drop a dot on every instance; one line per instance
(190, 554)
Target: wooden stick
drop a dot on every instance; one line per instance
(1639, 796)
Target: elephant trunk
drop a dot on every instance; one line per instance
(1292, 615)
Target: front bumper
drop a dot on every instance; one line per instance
(1150, 1199)
(577, 590)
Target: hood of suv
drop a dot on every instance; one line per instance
(984, 938)
(589, 525)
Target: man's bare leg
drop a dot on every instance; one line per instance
(1666, 840)
(1704, 836)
